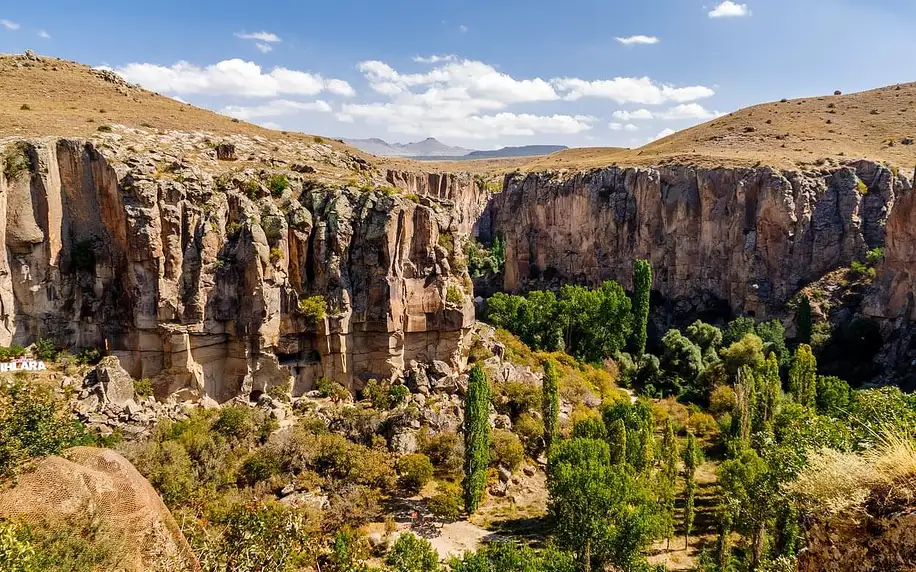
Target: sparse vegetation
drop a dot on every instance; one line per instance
(314, 308)
(16, 162)
(277, 184)
(276, 255)
(453, 295)
(105, 129)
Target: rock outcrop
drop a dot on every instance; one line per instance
(467, 194)
(742, 240)
(192, 273)
(861, 545)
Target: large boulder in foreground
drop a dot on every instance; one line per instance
(101, 485)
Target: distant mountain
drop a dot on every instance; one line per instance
(523, 151)
(431, 149)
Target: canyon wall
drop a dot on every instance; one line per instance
(467, 194)
(745, 240)
(196, 284)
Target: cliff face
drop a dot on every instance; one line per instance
(748, 238)
(467, 195)
(183, 276)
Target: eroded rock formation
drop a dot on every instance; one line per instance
(195, 275)
(747, 239)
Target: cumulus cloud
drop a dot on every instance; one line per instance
(634, 40)
(233, 77)
(630, 90)
(276, 108)
(434, 59)
(729, 9)
(662, 135)
(268, 37)
(621, 127)
(44, 34)
(633, 115)
(688, 111)
(9, 25)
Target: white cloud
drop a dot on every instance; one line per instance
(633, 115)
(276, 108)
(434, 59)
(233, 77)
(344, 118)
(630, 90)
(632, 40)
(688, 111)
(462, 28)
(263, 48)
(729, 9)
(43, 34)
(9, 25)
(621, 127)
(662, 135)
(259, 36)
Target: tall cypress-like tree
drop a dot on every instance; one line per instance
(692, 460)
(617, 439)
(550, 402)
(668, 477)
(803, 320)
(642, 287)
(768, 393)
(803, 376)
(476, 437)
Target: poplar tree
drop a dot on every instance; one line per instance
(476, 438)
(642, 287)
(670, 456)
(803, 376)
(692, 459)
(617, 438)
(550, 403)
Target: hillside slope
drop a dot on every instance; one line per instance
(878, 125)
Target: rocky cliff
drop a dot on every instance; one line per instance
(192, 268)
(743, 240)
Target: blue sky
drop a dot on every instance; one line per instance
(509, 72)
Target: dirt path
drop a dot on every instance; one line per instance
(456, 538)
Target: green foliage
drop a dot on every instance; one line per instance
(45, 350)
(589, 428)
(599, 510)
(804, 321)
(670, 455)
(737, 329)
(16, 161)
(81, 543)
(444, 449)
(33, 423)
(692, 459)
(416, 470)
(385, 396)
(681, 358)
(638, 438)
(591, 324)
(233, 229)
(454, 295)
(483, 261)
(550, 404)
(16, 551)
(476, 437)
(802, 376)
(143, 387)
(276, 255)
(412, 554)
(706, 337)
(773, 336)
(506, 449)
(858, 269)
(642, 286)
(252, 189)
(503, 556)
(861, 186)
(88, 356)
(258, 467)
(277, 184)
(834, 396)
(617, 439)
(328, 388)
(314, 307)
(747, 352)
(12, 352)
(874, 256)
(446, 503)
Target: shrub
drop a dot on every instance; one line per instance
(506, 449)
(16, 161)
(874, 256)
(454, 296)
(531, 431)
(167, 466)
(258, 467)
(702, 424)
(412, 554)
(314, 307)
(277, 184)
(858, 269)
(236, 422)
(143, 387)
(398, 394)
(252, 189)
(385, 396)
(327, 388)
(233, 229)
(444, 449)
(413, 197)
(82, 542)
(416, 470)
(276, 255)
(88, 356)
(722, 400)
(44, 349)
(861, 186)
(446, 503)
(105, 128)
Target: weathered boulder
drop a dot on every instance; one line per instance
(115, 384)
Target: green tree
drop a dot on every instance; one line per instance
(804, 321)
(737, 329)
(692, 460)
(476, 437)
(769, 393)
(803, 376)
(550, 402)
(617, 438)
(412, 554)
(748, 351)
(834, 395)
(773, 336)
(599, 510)
(708, 338)
(668, 477)
(16, 552)
(642, 287)
(681, 358)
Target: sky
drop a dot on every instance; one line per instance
(479, 73)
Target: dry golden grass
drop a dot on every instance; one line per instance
(868, 125)
(843, 483)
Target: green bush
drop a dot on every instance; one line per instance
(327, 388)
(45, 349)
(385, 396)
(314, 307)
(531, 431)
(16, 162)
(236, 422)
(446, 503)
(874, 256)
(12, 352)
(444, 449)
(416, 470)
(858, 269)
(276, 255)
(82, 543)
(258, 467)
(454, 296)
(33, 423)
(252, 189)
(143, 387)
(506, 449)
(167, 466)
(277, 184)
(412, 554)
(105, 128)
(233, 229)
